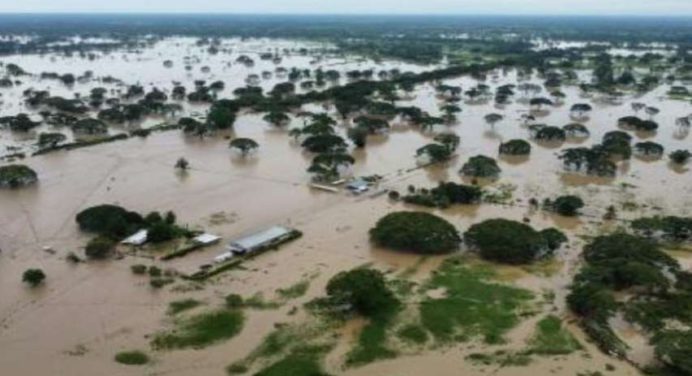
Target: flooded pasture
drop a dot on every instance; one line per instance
(88, 312)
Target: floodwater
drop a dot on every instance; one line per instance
(85, 313)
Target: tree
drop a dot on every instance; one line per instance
(182, 164)
(680, 156)
(416, 232)
(507, 241)
(33, 277)
(548, 133)
(325, 167)
(244, 145)
(539, 102)
(365, 291)
(581, 108)
(325, 143)
(449, 140)
(649, 149)
(515, 147)
(109, 220)
(221, 116)
(568, 205)
(576, 130)
(277, 118)
(481, 166)
(50, 139)
(435, 152)
(493, 118)
(16, 176)
(90, 126)
(358, 135)
(673, 349)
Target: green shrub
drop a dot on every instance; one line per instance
(201, 330)
(33, 277)
(132, 357)
(99, 247)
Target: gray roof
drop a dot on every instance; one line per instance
(261, 237)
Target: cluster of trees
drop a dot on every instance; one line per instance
(658, 290)
(637, 124)
(16, 176)
(112, 223)
(598, 159)
(668, 228)
(444, 195)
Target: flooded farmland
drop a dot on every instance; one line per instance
(90, 309)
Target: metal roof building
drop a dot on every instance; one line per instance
(260, 239)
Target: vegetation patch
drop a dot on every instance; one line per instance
(416, 232)
(16, 176)
(201, 330)
(132, 358)
(178, 306)
(551, 338)
(512, 242)
(472, 305)
(304, 361)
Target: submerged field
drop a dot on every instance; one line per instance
(459, 314)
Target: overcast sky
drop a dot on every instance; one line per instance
(562, 7)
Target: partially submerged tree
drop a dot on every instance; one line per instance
(567, 205)
(33, 277)
(16, 176)
(416, 232)
(515, 147)
(680, 156)
(434, 152)
(481, 166)
(327, 167)
(244, 145)
(364, 291)
(510, 242)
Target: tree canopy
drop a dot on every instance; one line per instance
(509, 242)
(416, 232)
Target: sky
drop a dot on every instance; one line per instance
(447, 7)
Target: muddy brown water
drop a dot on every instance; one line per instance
(84, 314)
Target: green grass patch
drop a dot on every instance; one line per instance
(178, 306)
(413, 333)
(132, 358)
(501, 358)
(371, 345)
(201, 330)
(472, 305)
(258, 301)
(304, 361)
(296, 291)
(552, 339)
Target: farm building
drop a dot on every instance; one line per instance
(260, 240)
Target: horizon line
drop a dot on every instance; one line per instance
(407, 14)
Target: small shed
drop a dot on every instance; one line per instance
(206, 239)
(138, 238)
